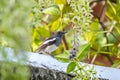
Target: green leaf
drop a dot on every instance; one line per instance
(52, 13)
(89, 36)
(71, 66)
(112, 7)
(55, 25)
(84, 49)
(100, 40)
(95, 25)
(111, 11)
(103, 52)
(110, 44)
(66, 9)
(118, 30)
(52, 10)
(41, 30)
(116, 64)
(63, 57)
(60, 1)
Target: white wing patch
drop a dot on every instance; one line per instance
(49, 40)
(51, 48)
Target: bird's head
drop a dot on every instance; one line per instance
(59, 33)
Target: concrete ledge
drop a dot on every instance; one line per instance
(40, 62)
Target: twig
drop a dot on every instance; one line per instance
(115, 36)
(111, 28)
(93, 59)
(69, 25)
(106, 55)
(65, 43)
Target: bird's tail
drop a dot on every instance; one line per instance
(38, 51)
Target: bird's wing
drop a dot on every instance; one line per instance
(45, 44)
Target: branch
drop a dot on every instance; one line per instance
(115, 36)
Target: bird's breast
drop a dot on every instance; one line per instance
(51, 48)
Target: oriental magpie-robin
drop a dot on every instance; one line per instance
(51, 44)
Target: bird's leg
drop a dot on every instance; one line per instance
(48, 53)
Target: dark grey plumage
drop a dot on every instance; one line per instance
(51, 44)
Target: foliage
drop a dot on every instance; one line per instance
(114, 37)
(14, 24)
(15, 32)
(82, 71)
(13, 71)
(105, 40)
(81, 16)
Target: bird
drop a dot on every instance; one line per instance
(51, 44)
